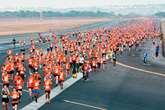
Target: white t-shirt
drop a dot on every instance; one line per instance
(81, 59)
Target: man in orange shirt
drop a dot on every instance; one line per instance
(67, 69)
(19, 83)
(30, 61)
(5, 79)
(61, 79)
(36, 88)
(85, 69)
(48, 86)
(30, 84)
(9, 68)
(94, 65)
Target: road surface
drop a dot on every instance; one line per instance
(130, 85)
(116, 88)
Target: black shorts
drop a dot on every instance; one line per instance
(11, 72)
(15, 102)
(22, 50)
(23, 61)
(104, 62)
(79, 43)
(103, 54)
(30, 66)
(22, 76)
(71, 51)
(80, 64)
(67, 69)
(156, 54)
(30, 88)
(66, 52)
(51, 49)
(59, 63)
(114, 59)
(94, 67)
(47, 91)
(55, 74)
(60, 81)
(98, 64)
(6, 100)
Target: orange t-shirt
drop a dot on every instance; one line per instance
(14, 95)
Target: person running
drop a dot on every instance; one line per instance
(61, 79)
(48, 86)
(56, 71)
(94, 65)
(74, 71)
(36, 89)
(114, 58)
(5, 97)
(30, 84)
(145, 57)
(157, 51)
(14, 42)
(85, 70)
(15, 98)
(67, 69)
(19, 83)
(10, 68)
(36, 86)
(81, 62)
(5, 79)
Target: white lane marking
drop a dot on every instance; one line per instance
(85, 105)
(13, 87)
(142, 70)
(55, 91)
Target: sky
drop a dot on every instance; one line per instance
(64, 4)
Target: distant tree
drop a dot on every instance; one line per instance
(73, 13)
(160, 14)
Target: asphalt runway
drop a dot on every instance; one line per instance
(115, 88)
(4, 46)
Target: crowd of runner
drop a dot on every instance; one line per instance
(65, 57)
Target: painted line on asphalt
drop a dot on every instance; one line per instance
(54, 93)
(85, 105)
(13, 87)
(142, 70)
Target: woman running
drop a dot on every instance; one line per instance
(5, 98)
(15, 99)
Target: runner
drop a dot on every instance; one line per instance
(67, 69)
(36, 86)
(61, 79)
(30, 84)
(5, 79)
(19, 83)
(157, 51)
(15, 99)
(145, 57)
(114, 58)
(36, 89)
(48, 86)
(14, 42)
(94, 65)
(85, 70)
(5, 97)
